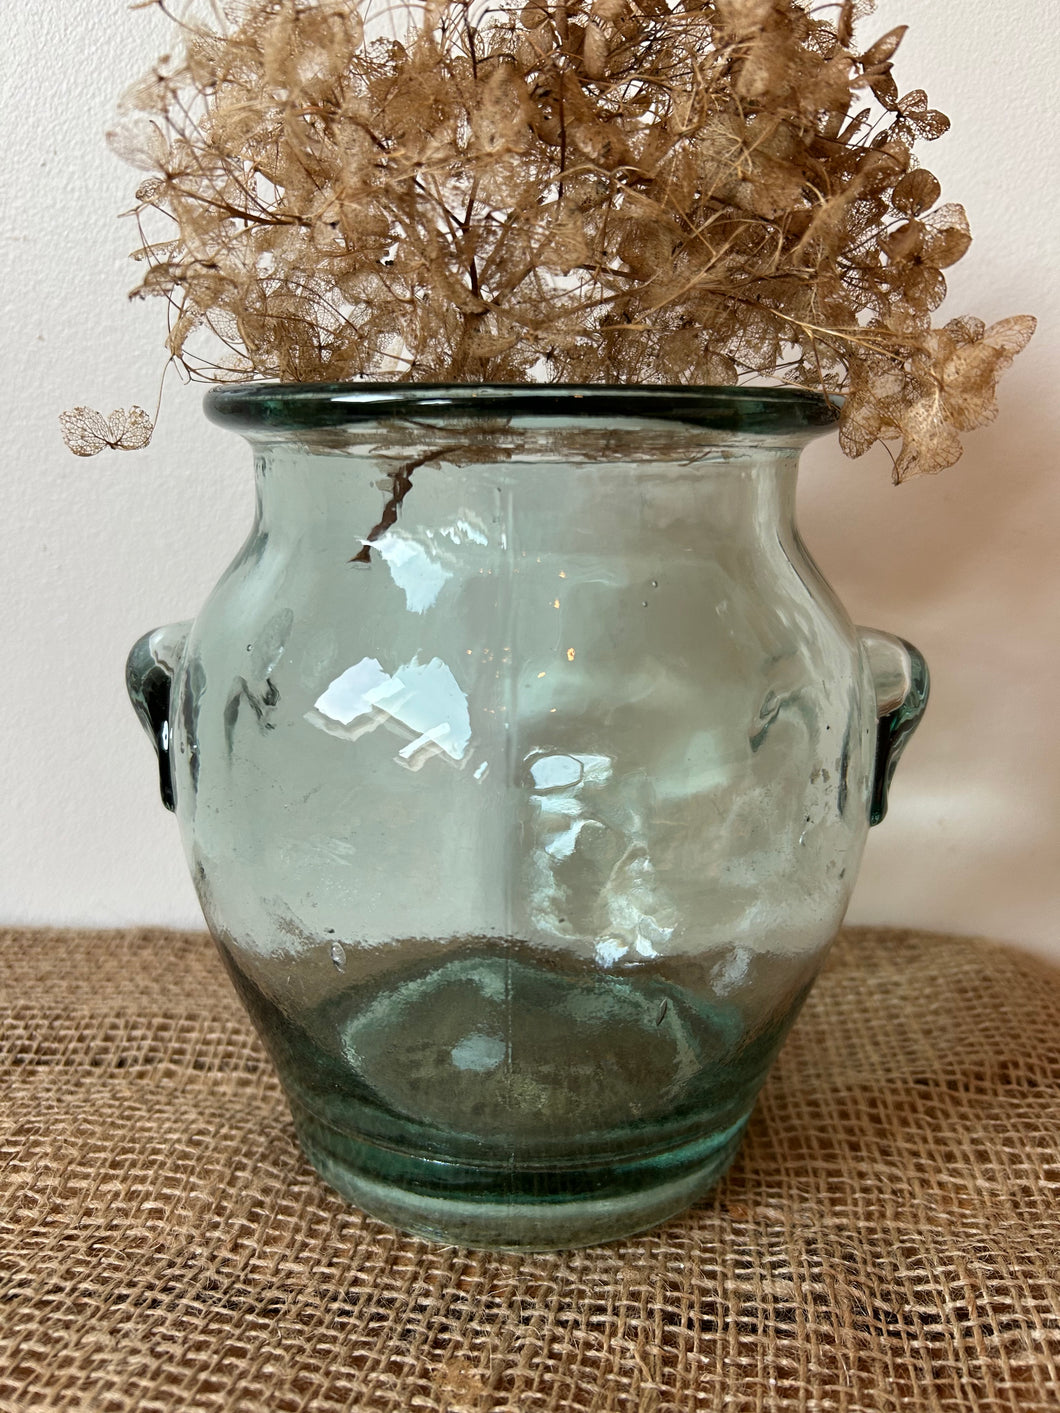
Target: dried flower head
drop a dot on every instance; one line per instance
(653, 191)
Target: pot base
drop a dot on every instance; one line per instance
(495, 1097)
(566, 1215)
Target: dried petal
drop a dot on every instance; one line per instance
(140, 142)
(845, 23)
(1011, 335)
(534, 15)
(131, 430)
(930, 441)
(884, 90)
(884, 48)
(916, 192)
(86, 432)
(929, 125)
(860, 424)
(595, 51)
(948, 236)
(905, 242)
(150, 190)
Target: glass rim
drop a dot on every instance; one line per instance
(295, 407)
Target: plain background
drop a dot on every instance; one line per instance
(97, 551)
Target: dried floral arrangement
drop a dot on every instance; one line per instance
(617, 191)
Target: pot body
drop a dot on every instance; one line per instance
(523, 762)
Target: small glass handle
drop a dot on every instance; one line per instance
(150, 671)
(901, 679)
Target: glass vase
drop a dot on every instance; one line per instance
(523, 761)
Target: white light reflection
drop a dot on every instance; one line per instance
(421, 565)
(462, 530)
(422, 700)
(589, 860)
(420, 577)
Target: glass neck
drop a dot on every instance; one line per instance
(564, 482)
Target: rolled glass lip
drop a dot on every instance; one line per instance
(295, 407)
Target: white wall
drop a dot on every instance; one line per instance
(95, 552)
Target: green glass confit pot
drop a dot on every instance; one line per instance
(523, 761)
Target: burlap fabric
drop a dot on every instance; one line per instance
(889, 1238)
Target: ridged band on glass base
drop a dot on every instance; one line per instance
(515, 1210)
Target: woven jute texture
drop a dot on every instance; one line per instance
(888, 1239)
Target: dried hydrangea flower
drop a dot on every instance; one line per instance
(617, 191)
